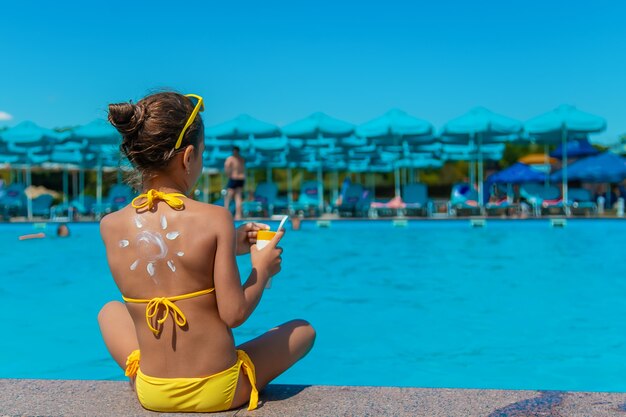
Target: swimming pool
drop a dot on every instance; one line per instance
(515, 305)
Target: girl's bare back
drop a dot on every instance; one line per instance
(162, 253)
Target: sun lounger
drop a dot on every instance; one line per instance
(41, 205)
(415, 197)
(393, 207)
(14, 201)
(86, 207)
(581, 201)
(463, 200)
(355, 201)
(501, 206)
(308, 200)
(265, 196)
(543, 198)
(365, 202)
(120, 195)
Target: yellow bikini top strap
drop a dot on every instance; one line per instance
(174, 298)
(153, 305)
(172, 199)
(191, 294)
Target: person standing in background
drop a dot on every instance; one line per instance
(235, 169)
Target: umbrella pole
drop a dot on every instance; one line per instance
(480, 175)
(335, 186)
(207, 186)
(98, 186)
(81, 177)
(546, 181)
(564, 145)
(320, 188)
(98, 189)
(289, 190)
(472, 177)
(373, 176)
(66, 187)
(74, 185)
(29, 201)
(397, 181)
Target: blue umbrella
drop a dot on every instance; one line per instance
(394, 131)
(31, 138)
(606, 167)
(478, 127)
(269, 153)
(97, 132)
(240, 131)
(28, 134)
(322, 133)
(549, 127)
(394, 125)
(318, 125)
(517, 173)
(557, 125)
(242, 127)
(490, 126)
(575, 149)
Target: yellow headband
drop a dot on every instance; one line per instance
(199, 107)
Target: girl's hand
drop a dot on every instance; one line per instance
(246, 236)
(269, 258)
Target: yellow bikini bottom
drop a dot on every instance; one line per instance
(206, 394)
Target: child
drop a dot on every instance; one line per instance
(173, 259)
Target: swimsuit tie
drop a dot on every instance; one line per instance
(172, 199)
(132, 363)
(248, 369)
(153, 304)
(153, 308)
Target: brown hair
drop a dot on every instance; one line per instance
(151, 128)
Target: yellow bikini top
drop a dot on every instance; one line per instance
(167, 303)
(153, 304)
(172, 199)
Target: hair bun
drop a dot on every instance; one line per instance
(127, 118)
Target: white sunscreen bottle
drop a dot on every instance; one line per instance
(264, 237)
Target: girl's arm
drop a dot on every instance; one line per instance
(235, 302)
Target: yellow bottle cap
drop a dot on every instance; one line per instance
(265, 235)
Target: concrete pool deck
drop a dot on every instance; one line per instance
(30, 397)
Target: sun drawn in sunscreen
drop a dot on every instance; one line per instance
(151, 246)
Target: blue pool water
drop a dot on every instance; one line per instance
(517, 304)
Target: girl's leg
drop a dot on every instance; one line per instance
(273, 353)
(118, 331)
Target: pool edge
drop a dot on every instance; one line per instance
(111, 398)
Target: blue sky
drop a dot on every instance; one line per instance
(63, 62)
